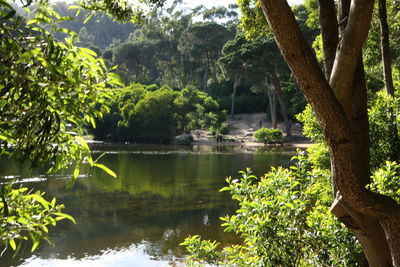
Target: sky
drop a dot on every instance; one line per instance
(210, 3)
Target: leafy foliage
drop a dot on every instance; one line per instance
(149, 113)
(48, 89)
(384, 120)
(283, 219)
(311, 126)
(269, 136)
(38, 106)
(205, 250)
(386, 180)
(26, 215)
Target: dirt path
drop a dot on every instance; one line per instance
(243, 127)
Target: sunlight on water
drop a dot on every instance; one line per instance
(162, 195)
(134, 255)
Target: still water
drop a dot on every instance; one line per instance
(162, 195)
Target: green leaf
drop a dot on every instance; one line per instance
(66, 216)
(41, 200)
(88, 51)
(83, 143)
(226, 188)
(35, 244)
(106, 169)
(76, 172)
(12, 244)
(88, 18)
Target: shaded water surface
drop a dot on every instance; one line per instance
(162, 195)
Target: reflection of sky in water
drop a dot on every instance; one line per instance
(132, 256)
(162, 195)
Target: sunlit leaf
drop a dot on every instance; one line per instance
(106, 169)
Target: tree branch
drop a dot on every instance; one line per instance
(305, 68)
(349, 50)
(329, 32)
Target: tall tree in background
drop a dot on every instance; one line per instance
(265, 62)
(385, 48)
(339, 100)
(233, 65)
(203, 42)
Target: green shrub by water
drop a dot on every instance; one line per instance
(269, 136)
(223, 128)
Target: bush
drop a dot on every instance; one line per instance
(311, 127)
(269, 136)
(384, 122)
(213, 130)
(284, 220)
(224, 128)
(143, 113)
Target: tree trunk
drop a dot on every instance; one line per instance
(278, 91)
(235, 85)
(387, 75)
(272, 104)
(205, 78)
(385, 50)
(214, 72)
(329, 32)
(338, 103)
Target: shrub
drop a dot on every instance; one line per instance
(284, 220)
(311, 126)
(384, 122)
(213, 130)
(146, 113)
(224, 128)
(269, 136)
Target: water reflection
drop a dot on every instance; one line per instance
(123, 257)
(162, 195)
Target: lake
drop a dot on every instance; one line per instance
(162, 195)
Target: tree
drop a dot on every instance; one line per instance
(47, 90)
(203, 42)
(143, 113)
(233, 65)
(385, 48)
(265, 62)
(340, 104)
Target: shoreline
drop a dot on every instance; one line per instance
(291, 144)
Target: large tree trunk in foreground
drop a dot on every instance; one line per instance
(338, 103)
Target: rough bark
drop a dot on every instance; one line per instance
(385, 50)
(348, 50)
(368, 231)
(278, 91)
(334, 106)
(329, 32)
